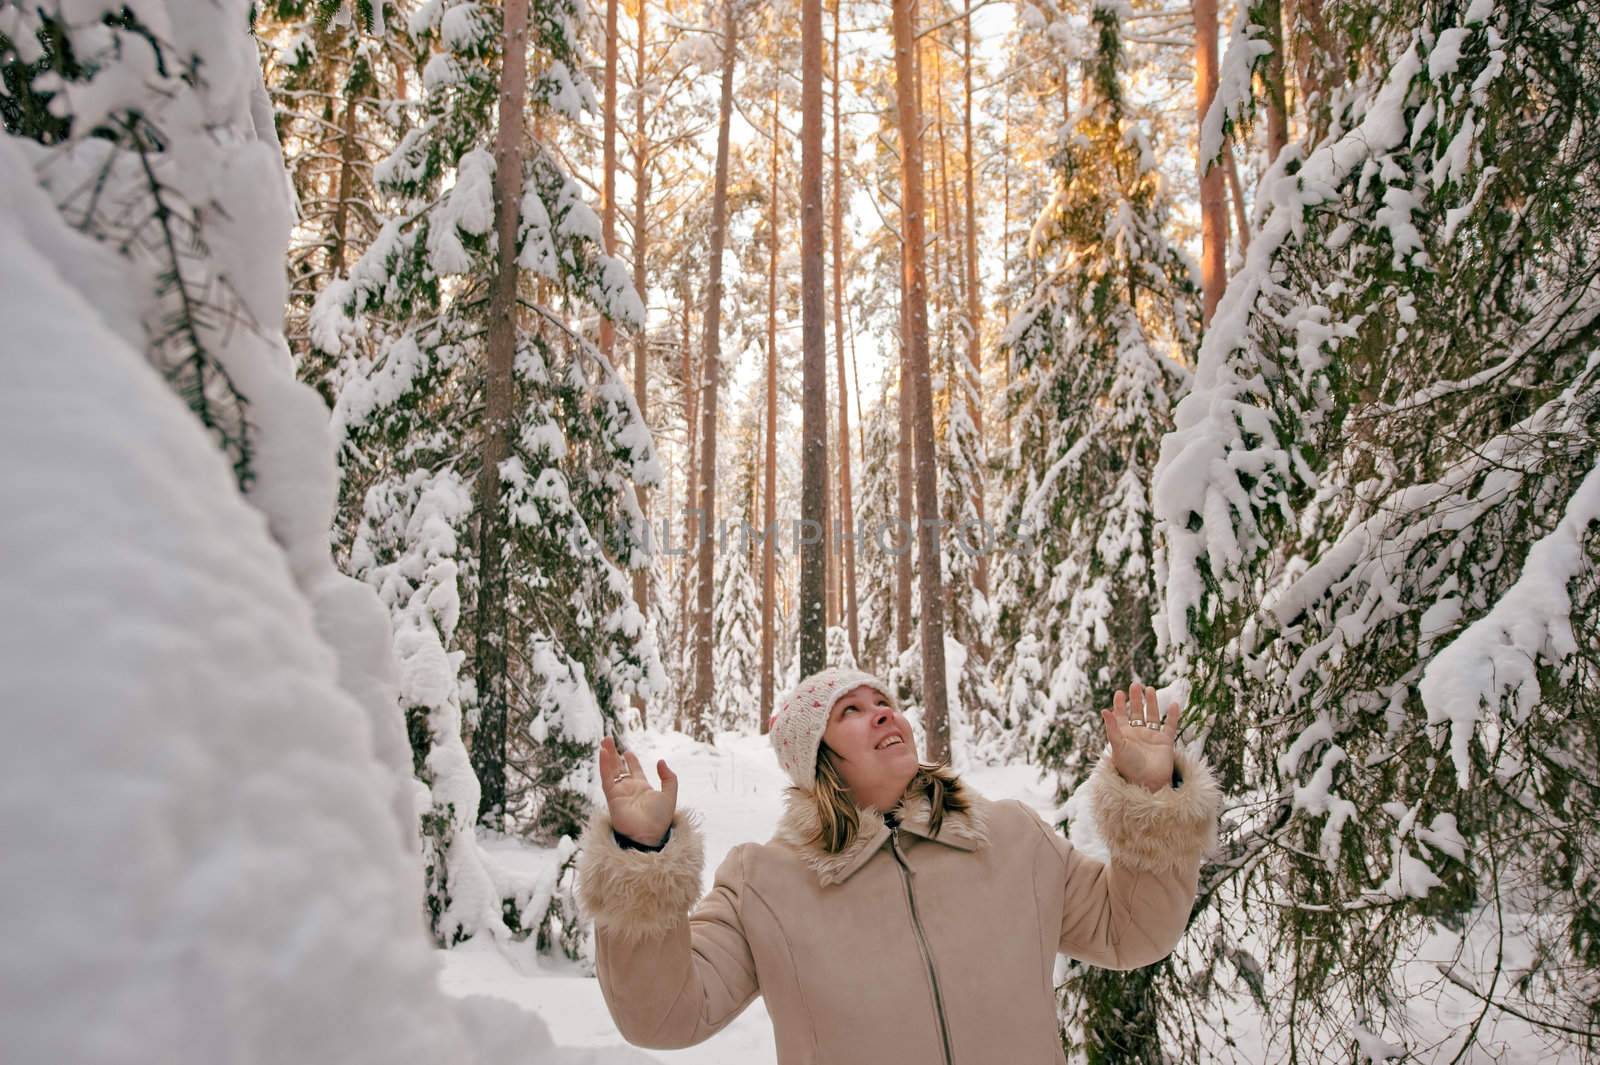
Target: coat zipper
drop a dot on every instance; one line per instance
(922, 944)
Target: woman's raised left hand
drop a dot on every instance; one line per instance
(1141, 744)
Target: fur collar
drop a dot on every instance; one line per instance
(798, 826)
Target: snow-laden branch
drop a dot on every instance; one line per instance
(1499, 654)
(1234, 100)
(1225, 463)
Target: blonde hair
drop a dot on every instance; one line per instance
(839, 819)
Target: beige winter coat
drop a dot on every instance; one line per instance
(903, 948)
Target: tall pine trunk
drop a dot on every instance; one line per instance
(1271, 13)
(691, 492)
(1213, 193)
(935, 714)
(710, 371)
(1005, 259)
(846, 545)
(1241, 220)
(608, 195)
(1317, 66)
(944, 240)
(769, 514)
(490, 615)
(905, 503)
(641, 348)
(345, 187)
(974, 297)
(946, 249)
(814, 366)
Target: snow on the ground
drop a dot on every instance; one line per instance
(736, 786)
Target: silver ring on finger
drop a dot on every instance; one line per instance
(621, 776)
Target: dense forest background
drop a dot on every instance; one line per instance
(669, 351)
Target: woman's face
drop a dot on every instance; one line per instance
(872, 746)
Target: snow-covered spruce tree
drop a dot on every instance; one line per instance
(408, 547)
(736, 626)
(878, 538)
(1378, 546)
(678, 703)
(1097, 353)
(662, 618)
(502, 476)
(838, 644)
(978, 729)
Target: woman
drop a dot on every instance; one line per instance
(895, 916)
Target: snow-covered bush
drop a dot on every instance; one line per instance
(206, 804)
(736, 642)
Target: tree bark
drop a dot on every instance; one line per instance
(855, 375)
(641, 283)
(489, 622)
(814, 365)
(1213, 195)
(846, 546)
(1240, 219)
(1005, 259)
(710, 371)
(974, 297)
(949, 273)
(905, 480)
(1277, 98)
(345, 187)
(1314, 58)
(769, 512)
(949, 248)
(691, 487)
(935, 708)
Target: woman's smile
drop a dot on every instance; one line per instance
(873, 744)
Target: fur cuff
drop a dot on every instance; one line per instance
(1157, 831)
(639, 894)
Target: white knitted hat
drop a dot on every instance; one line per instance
(797, 728)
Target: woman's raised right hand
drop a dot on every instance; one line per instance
(638, 811)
